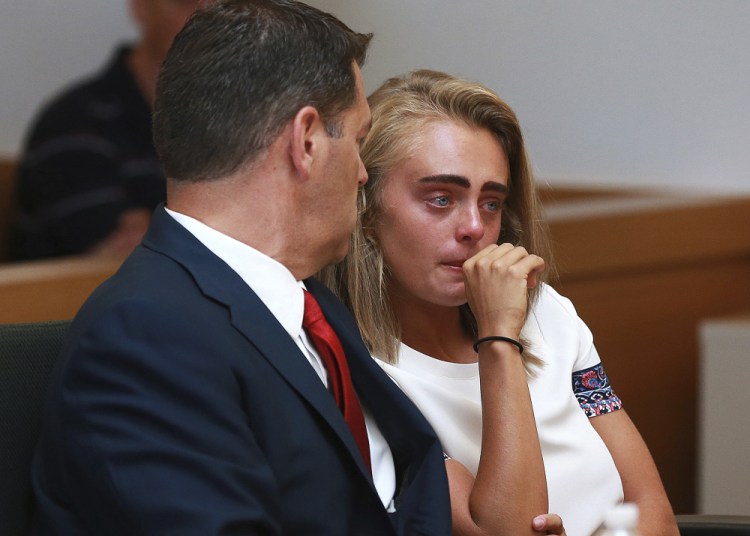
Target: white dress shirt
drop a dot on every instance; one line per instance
(282, 294)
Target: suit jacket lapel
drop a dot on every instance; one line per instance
(407, 432)
(271, 340)
(251, 317)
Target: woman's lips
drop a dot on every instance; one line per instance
(455, 264)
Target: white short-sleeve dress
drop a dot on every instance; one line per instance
(571, 387)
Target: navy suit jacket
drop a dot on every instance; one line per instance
(182, 406)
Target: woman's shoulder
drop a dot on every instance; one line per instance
(555, 326)
(549, 302)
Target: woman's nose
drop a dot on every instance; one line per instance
(471, 226)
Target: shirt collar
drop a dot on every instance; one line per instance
(269, 279)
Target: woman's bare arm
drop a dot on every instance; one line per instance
(510, 488)
(640, 478)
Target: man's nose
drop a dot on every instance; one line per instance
(362, 173)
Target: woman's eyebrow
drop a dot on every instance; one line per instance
(446, 179)
(463, 182)
(494, 187)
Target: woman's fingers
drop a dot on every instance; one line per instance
(548, 524)
(494, 252)
(497, 279)
(503, 261)
(496, 259)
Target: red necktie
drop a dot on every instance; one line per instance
(339, 380)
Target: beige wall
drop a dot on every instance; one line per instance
(44, 44)
(621, 93)
(724, 404)
(638, 92)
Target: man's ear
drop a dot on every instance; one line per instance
(136, 10)
(307, 132)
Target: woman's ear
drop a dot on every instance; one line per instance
(306, 143)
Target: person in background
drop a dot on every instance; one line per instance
(211, 386)
(89, 177)
(446, 281)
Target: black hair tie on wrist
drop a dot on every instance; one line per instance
(514, 342)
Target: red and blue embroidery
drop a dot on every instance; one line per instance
(595, 395)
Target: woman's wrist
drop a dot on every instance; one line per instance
(498, 338)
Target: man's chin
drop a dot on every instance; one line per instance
(338, 253)
(343, 252)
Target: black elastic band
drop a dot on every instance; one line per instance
(514, 342)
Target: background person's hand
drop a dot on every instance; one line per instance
(129, 233)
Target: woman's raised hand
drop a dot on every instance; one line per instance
(497, 279)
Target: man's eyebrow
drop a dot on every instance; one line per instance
(463, 182)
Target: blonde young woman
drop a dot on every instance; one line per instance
(445, 278)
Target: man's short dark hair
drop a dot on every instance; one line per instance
(238, 72)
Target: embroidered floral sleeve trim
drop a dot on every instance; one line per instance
(595, 395)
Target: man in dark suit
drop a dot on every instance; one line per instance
(192, 395)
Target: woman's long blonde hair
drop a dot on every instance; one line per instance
(400, 109)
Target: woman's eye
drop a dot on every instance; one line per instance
(494, 206)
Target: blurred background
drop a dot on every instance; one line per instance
(641, 92)
(636, 117)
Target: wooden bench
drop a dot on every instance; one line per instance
(643, 271)
(51, 289)
(7, 177)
